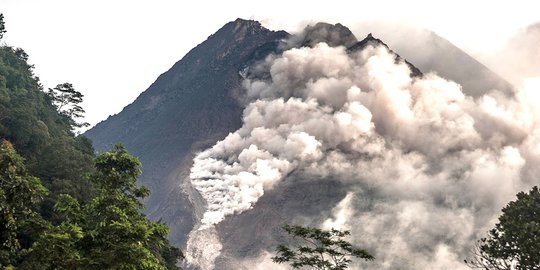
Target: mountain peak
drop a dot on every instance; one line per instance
(373, 41)
(333, 34)
(240, 23)
(368, 40)
(241, 29)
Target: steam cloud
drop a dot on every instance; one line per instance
(428, 167)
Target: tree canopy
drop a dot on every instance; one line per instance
(109, 232)
(61, 207)
(319, 249)
(514, 243)
(42, 135)
(20, 194)
(67, 101)
(2, 26)
(119, 236)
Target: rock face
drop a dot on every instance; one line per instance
(187, 108)
(198, 102)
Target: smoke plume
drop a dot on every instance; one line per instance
(428, 168)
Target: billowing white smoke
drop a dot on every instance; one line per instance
(428, 167)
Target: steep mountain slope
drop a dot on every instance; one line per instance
(188, 108)
(199, 101)
(451, 62)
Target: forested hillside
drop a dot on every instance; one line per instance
(61, 207)
(42, 135)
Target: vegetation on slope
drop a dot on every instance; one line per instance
(61, 207)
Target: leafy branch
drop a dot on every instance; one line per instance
(319, 249)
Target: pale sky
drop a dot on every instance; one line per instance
(111, 51)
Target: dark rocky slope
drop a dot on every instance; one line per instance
(187, 108)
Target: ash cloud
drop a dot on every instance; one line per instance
(428, 166)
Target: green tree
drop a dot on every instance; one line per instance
(58, 247)
(109, 232)
(319, 249)
(2, 26)
(67, 101)
(117, 235)
(19, 195)
(40, 126)
(514, 243)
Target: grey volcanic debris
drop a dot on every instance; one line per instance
(255, 128)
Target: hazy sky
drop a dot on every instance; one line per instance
(111, 51)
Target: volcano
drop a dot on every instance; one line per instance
(206, 96)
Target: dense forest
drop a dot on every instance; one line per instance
(61, 206)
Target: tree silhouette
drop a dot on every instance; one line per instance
(319, 249)
(67, 101)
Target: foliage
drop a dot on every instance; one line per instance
(42, 135)
(67, 101)
(109, 232)
(514, 243)
(91, 217)
(482, 260)
(171, 255)
(2, 26)
(56, 249)
(319, 249)
(19, 195)
(118, 235)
